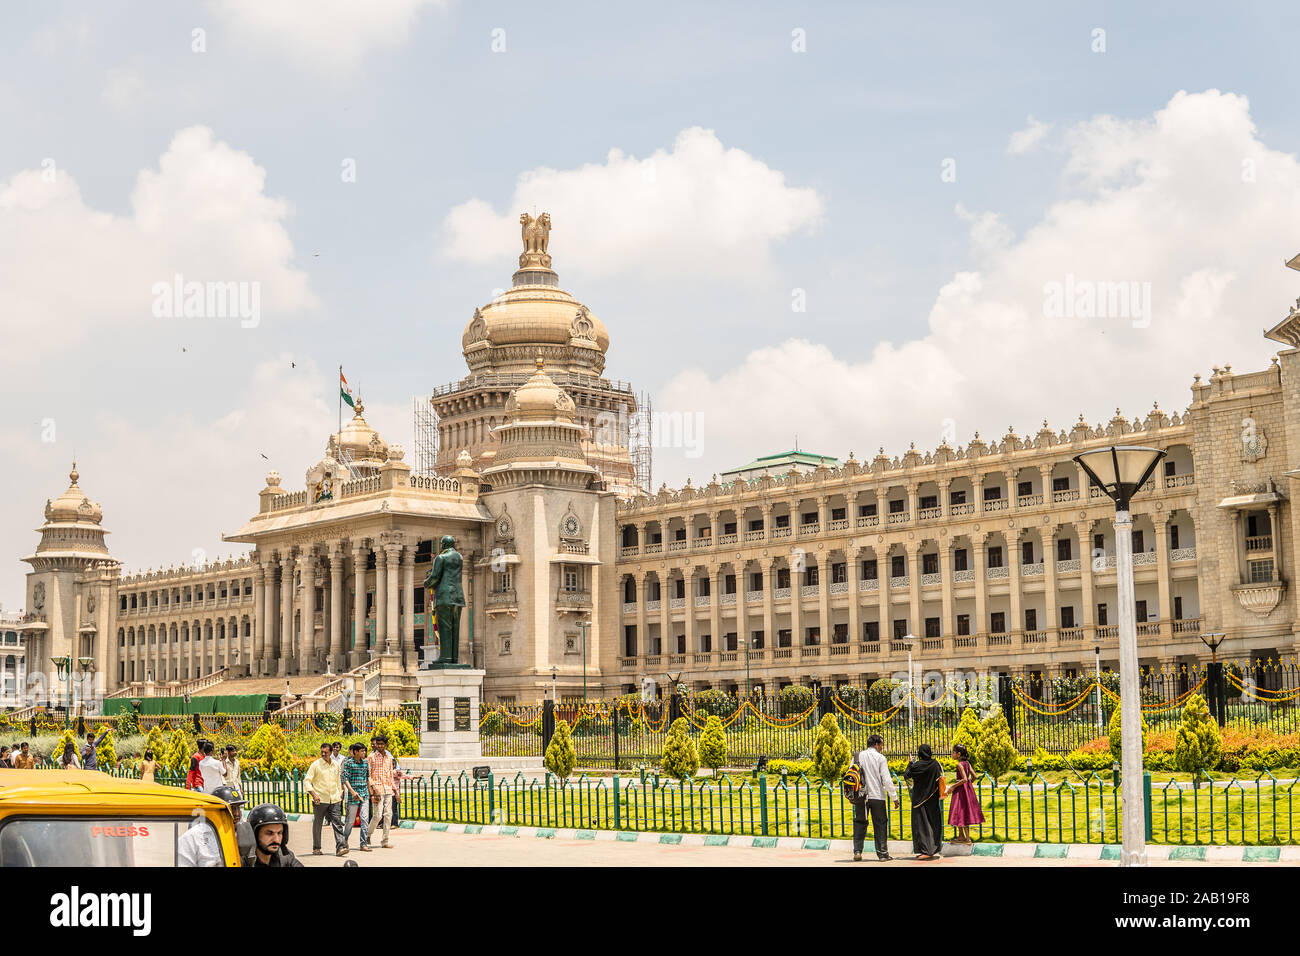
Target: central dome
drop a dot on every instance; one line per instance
(535, 317)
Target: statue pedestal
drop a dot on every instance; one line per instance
(449, 705)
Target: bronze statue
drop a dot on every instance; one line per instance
(536, 235)
(443, 580)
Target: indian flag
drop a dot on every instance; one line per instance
(345, 391)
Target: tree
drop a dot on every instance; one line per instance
(997, 754)
(269, 748)
(155, 741)
(402, 738)
(968, 731)
(714, 701)
(831, 754)
(176, 758)
(796, 699)
(885, 694)
(1198, 746)
(560, 756)
(713, 744)
(127, 723)
(680, 758)
(1115, 731)
(106, 753)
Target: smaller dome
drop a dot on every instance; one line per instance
(358, 442)
(73, 505)
(540, 398)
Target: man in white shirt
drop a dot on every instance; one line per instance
(200, 845)
(877, 790)
(230, 768)
(211, 768)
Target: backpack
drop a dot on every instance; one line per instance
(852, 784)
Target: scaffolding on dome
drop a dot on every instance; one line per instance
(424, 426)
(639, 443)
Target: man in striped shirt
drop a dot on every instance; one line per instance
(382, 790)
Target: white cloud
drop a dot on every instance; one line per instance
(122, 88)
(1160, 201)
(328, 34)
(203, 214)
(699, 208)
(1022, 141)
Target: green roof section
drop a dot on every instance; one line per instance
(781, 462)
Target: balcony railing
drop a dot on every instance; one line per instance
(676, 604)
(1065, 567)
(677, 545)
(839, 650)
(999, 640)
(965, 640)
(814, 651)
(1034, 637)
(726, 539)
(782, 532)
(928, 514)
(869, 647)
(703, 600)
(1149, 629)
(899, 517)
(1187, 625)
(753, 597)
(868, 521)
(653, 605)
(995, 504)
(1032, 570)
(1061, 497)
(728, 599)
(654, 548)
(755, 535)
(782, 653)
(965, 575)
(997, 574)
(629, 607)
(932, 578)
(1106, 632)
(781, 594)
(1183, 554)
(630, 552)
(900, 582)
(703, 541)
(1029, 501)
(1180, 481)
(840, 525)
(1261, 542)
(1071, 633)
(872, 584)
(807, 529)
(967, 508)
(809, 590)
(839, 587)
(932, 643)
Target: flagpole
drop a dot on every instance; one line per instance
(337, 450)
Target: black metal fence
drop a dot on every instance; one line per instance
(1058, 712)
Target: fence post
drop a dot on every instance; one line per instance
(824, 706)
(674, 707)
(548, 723)
(762, 804)
(1008, 702)
(615, 720)
(1216, 692)
(492, 798)
(618, 816)
(1146, 800)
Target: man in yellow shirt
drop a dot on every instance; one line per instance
(326, 789)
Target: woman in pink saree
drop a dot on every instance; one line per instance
(964, 810)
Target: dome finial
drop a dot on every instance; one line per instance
(540, 363)
(73, 475)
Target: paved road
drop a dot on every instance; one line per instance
(427, 848)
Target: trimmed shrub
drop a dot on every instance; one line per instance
(831, 754)
(716, 703)
(968, 731)
(1114, 731)
(403, 741)
(105, 755)
(494, 724)
(713, 744)
(997, 754)
(1198, 746)
(127, 723)
(796, 699)
(885, 694)
(680, 758)
(176, 756)
(268, 750)
(560, 756)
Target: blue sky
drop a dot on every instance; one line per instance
(831, 158)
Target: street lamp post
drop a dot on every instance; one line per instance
(1212, 640)
(63, 666)
(1120, 470)
(744, 642)
(1096, 646)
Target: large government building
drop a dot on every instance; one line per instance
(796, 568)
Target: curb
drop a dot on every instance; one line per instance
(1009, 851)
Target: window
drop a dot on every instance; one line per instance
(993, 494)
(681, 643)
(897, 566)
(998, 622)
(629, 640)
(871, 630)
(840, 634)
(1031, 619)
(812, 575)
(706, 643)
(756, 581)
(629, 591)
(1025, 488)
(1067, 617)
(897, 507)
(900, 628)
(572, 578)
(959, 559)
(705, 584)
(679, 588)
(1178, 608)
(756, 640)
(656, 591)
(1141, 611)
(783, 521)
(956, 497)
(729, 584)
(1170, 469)
(1101, 615)
(419, 601)
(839, 573)
(729, 641)
(1137, 542)
(782, 577)
(929, 501)
(808, 517)
(1173, 537)
(995, 556)
(1063, 549)
(1061, 484)
(783, 637)
(837, 514)
(679, 534)
(1099, 543)
(866, 511)
(1261, 571)
(931, 627)
(812, 636)
(704, 532)
(1026, 552)
(963, 624)
(869, 569)
(729, 527)
(930, 564)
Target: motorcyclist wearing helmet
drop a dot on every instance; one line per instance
(200, 845)
(269, 847)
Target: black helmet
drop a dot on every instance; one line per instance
(266, 813)
(230, 795)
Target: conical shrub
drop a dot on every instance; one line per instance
(680, 758)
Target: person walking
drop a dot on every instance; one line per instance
(964, 811)
(923, 771)
(24, 759)
(326, 790)
(336, 752)
(210, 769)
(89, 757)
(147, 767)
(382, 790)
(230, 767)
(877, 790)
(355, 774)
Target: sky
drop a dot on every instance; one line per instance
(854, 226)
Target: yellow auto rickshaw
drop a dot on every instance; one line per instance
(88, 818)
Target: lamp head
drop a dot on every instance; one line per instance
(1120, 470)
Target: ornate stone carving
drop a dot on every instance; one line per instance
(1260, 599)
(536, 234)
(1254, 443)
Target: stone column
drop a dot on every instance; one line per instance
(949, 624)
(1088, 618)
(257, 648)
(1017, 622)
(641, 580)
(394, 551)
(882, 507)
(1053, 622)
(742, 587)
(769, 612)
(912, 512)
(798, 565)
(359, 642)
(915, 624)
(851, 561)
(408, 608)
(824, 513)
(767, 521)
(689, 590)
(665, 613)
(337, 657)
(979, 544)
(882, 590)
(381, 599)
(715, 608)
(944, 504)
(1163, 583)
(307, 645)
(270, 618)
(288, 656)
(824, 593)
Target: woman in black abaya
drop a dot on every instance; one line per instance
(923, 773)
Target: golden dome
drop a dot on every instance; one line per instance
(535, 316)
(359, 442)
(73, 505)
(540, 399)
